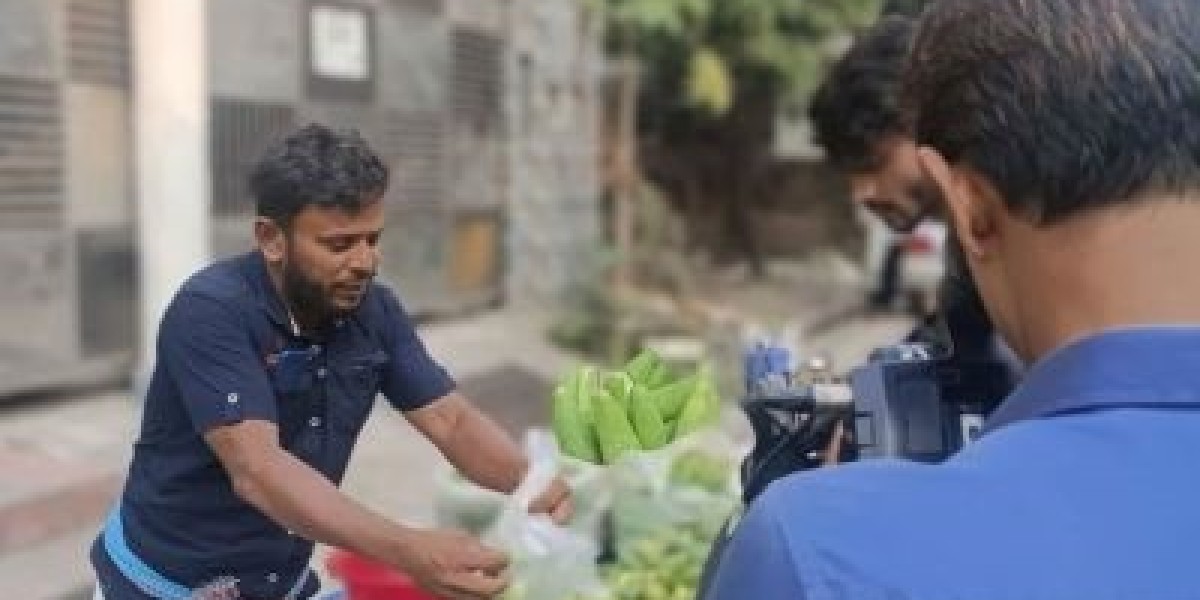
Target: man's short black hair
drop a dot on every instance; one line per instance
(1064, 105)
(858, 105)
(317, 166)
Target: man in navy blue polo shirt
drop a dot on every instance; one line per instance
(1064, 136)
(267, 367)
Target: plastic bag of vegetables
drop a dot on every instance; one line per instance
(461, 504)
(656, 433)
(688, 484)
(601, 416)
(547, 562)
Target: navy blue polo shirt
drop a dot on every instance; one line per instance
(227, 353)
(1083, 486)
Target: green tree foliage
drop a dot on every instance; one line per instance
(714, 74)
(703, 49)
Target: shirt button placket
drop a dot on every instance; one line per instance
(317, 408)
(321, 398)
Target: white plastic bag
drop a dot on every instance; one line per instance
(461, 504)
(649, 500)
(548, 562)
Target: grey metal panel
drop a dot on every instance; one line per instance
(255, 49)
(99, 155)
(361, 116)
(487, 15)
(427, 7)
(107, 268)
(241, 131)
(412, 144)
(476, 77)
(414, 56)
(31, 153)
(98, 41)
(478, 167)
(36, 306)
(232, 235)
(414, 250)
(476, 148)
(43, 215)
(27, 38)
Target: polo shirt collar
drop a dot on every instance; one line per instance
(263, 289)
(1135, 367)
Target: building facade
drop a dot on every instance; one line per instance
(485, 112)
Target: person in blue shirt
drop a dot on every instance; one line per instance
(1064, 137)
(267, 365)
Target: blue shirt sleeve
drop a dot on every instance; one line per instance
(205, 348)
(411, 379)
(758, 562)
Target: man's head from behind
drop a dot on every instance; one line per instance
(1065, 138)
(320, 213)
(857, 116)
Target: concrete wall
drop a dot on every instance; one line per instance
(65, 195)
(484, 110)
(553, 69)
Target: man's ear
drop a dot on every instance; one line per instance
(271, 238)
(971, 203)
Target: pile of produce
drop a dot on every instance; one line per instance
(703, 470)
(663, 567)
(600, 416)
(649, 435)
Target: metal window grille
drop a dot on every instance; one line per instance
(98, 42)
(31, 151)
(476, 73)
(241, 131)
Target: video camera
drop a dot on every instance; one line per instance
(907, 401)
(904, 402)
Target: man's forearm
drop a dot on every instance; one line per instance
(302, 500)
(485, 453)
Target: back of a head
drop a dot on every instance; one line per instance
(858, 104)
(1064, 105)
(317, 166)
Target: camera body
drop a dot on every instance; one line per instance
(904, 402)
(908, 404)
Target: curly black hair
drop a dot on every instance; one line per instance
(319, 166)
(858, 104)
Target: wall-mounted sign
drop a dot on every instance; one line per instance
(340, 43)
(341, 49)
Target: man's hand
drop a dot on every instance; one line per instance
(833, 452)
(555, 501)
(452, 565)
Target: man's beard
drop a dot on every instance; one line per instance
(309, 302)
